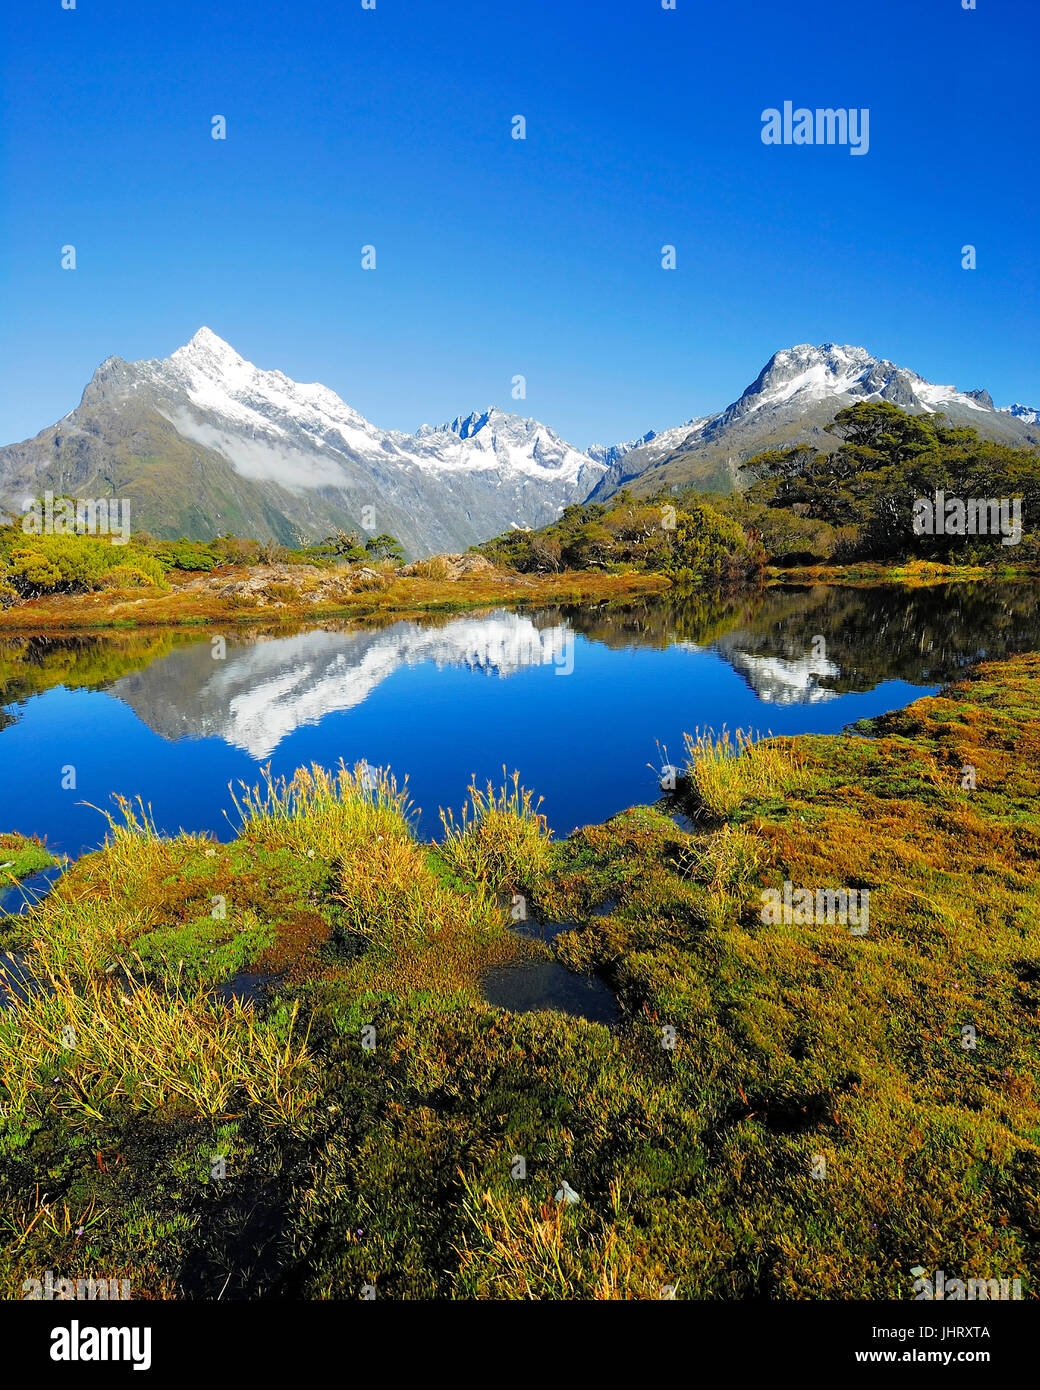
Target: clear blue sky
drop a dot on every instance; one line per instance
(496, 256)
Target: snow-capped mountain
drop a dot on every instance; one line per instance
(797, 393)
(1025, 413)
(608, 454)
(204, 442)
(804, 375)
(493, 438)
(267, 688)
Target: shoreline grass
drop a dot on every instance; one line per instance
(400, 596)
(414, 596)
(911, 574)
(21, 856)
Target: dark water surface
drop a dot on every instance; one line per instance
(535, 984)
(575, 698)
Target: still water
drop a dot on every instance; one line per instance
(576, 698)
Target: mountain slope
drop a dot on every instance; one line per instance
(797, 393)
(204, 442)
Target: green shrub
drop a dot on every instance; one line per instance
(66, 564)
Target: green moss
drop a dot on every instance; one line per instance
(22, 855)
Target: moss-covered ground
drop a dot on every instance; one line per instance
(784, 1111)
(21, 856)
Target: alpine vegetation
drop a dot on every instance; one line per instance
(78, 516)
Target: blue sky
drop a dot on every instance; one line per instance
(496, 256)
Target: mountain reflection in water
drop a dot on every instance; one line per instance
(576, 698)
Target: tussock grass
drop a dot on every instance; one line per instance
(724, 772)
(747, 1047)
(501, 839)
(732, 860)
(86, 1048)
(435, 567)
(317, 811)
(422, 933)
(522, 1250)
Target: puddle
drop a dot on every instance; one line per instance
(15, 979)
(532, 924)
(247, 988)
(530, 985)
(17, 898)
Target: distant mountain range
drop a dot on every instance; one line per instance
(203, 442)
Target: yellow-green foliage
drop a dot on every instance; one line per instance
(726, 772)
(32, 565)
(20, 856)
(691, 542)
(528, 1250)
(86, 1047)
(802, 1040)
(501, 839)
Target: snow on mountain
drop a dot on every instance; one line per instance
(1025, 413)
(264, 690)
(493, 438)
(803, 376)
(204, 442)
(608, 454)
(793, 400)
(221, 384)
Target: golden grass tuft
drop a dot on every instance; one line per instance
(501, 839)
(724, 772)
(86, 1047)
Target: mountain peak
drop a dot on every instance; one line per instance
(465, 426)
(1026, 413)
(207, 346)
